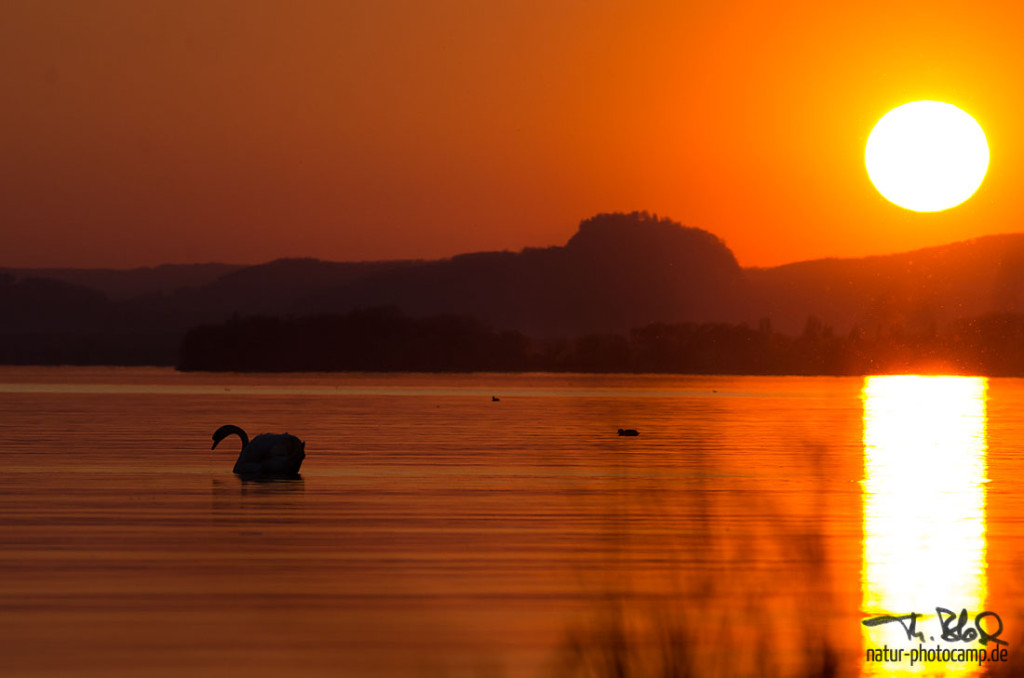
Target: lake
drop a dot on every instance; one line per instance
(749, 530)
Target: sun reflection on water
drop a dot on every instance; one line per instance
(924, 511)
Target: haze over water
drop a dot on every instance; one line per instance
(747, 531)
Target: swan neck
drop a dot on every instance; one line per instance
(224, 431)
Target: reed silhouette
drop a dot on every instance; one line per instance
(718, 605)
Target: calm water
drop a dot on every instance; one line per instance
(747, 531)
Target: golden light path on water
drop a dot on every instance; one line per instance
(924, 513)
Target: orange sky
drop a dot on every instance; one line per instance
(137, 133)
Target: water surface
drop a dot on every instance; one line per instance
(435, 532)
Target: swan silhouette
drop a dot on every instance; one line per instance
(268, 454)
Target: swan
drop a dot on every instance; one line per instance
(266, 454)
(628, 432)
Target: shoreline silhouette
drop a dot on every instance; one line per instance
(576, 307)
(384, 340)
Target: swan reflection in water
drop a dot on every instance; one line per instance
(268, 456)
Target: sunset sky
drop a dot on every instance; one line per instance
(137, 133)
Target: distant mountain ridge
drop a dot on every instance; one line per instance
(120, 284)
(930, 286)
(617, 272)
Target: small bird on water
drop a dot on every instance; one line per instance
(268, 454)
(628, 432)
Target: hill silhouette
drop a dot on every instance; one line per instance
(618, 272)
(126, 284)
(913, 290)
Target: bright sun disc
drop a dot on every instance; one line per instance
(927, 156)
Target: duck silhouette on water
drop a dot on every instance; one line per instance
(628, 432)
(266, 455)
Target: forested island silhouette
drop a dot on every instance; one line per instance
(627, 293)
(384, 340)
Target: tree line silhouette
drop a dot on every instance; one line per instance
(383, 340)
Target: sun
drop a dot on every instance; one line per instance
(927, 156)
